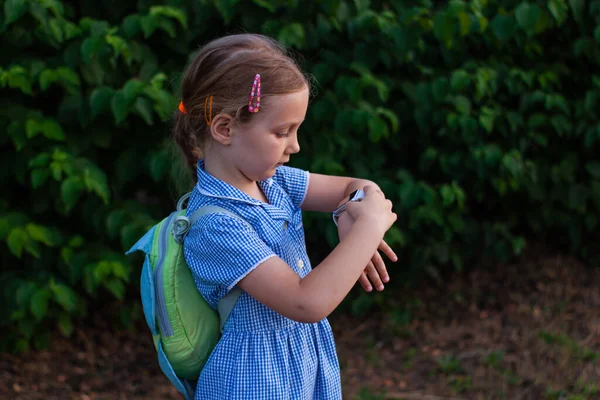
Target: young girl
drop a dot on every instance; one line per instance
(243, 100)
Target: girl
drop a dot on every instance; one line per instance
(243, 100)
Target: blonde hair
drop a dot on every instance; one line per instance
(225, 69)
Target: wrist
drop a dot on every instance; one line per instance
(355, 196)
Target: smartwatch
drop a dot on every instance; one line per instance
(357, 195)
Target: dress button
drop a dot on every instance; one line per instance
(300, 263)
(285, 225)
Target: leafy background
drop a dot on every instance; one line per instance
(478, 119)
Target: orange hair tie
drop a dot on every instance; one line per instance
(208, 117)
(182, 108)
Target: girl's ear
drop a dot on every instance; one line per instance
(220, 128)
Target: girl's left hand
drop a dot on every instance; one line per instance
(375, 274)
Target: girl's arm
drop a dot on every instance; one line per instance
(314, 297)
(326, 192)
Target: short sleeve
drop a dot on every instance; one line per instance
(221, 250)
(294, 181)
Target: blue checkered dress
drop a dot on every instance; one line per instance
(262, 354)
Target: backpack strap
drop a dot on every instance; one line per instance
(226, 303)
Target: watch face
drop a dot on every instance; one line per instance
(357, 195)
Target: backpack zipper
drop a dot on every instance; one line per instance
(161, 307)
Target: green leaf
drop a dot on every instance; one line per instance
(56, 30)
(132, 89)
(578, 8)
(158, 80)
(130, 233)
(120, 48)
(116, 287)
(65, 296)
(527, 15)
(70, 30)
(170, 12)
(39, 177)
(131, 25)
(52, 130)
(114, 222)
(504, 26)
(24, 293)
(120, 270)
(39, 303)
(559, 10)
(440, 88)
(71, 190)
(378, 129)
(464, 21)
(41, 160)
(165, 103)
(32, 128)
(593, 168)
(149, 23)
(462, 104)
(39, 12)
(443, 28)
(561, 124)
(227, 9)
(100, 100)
(268, 4)
(486, 118)
(76, 241)
(292, 35)
(96, 28)
(159, 165)
(95, 181)
(69, 79)
(393, 118)
(91, 47)
(18, 78)
(362, 6)
(143, 106)
(119, 107)
(40, 233)
(459, 80)
(13, 10)
(65, 324)
(47, 78)
(16, 132)
(17, 238)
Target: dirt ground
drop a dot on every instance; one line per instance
(529, 330)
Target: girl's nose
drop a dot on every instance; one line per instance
(294, 146)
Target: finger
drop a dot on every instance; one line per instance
(364, 282)
(380, 267)
(370, 189)
(374, 277)
(387, 250)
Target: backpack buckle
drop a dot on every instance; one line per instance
(181, 226)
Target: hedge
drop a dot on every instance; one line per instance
(478, 119)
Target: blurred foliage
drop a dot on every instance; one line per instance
(478, 119)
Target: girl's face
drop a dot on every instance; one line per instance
(268, 141)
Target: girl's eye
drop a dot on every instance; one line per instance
(282, 135)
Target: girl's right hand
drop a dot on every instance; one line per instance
(374, 208)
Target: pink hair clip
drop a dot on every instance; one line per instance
(255, 89)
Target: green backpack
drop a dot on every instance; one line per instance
(184, 327)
